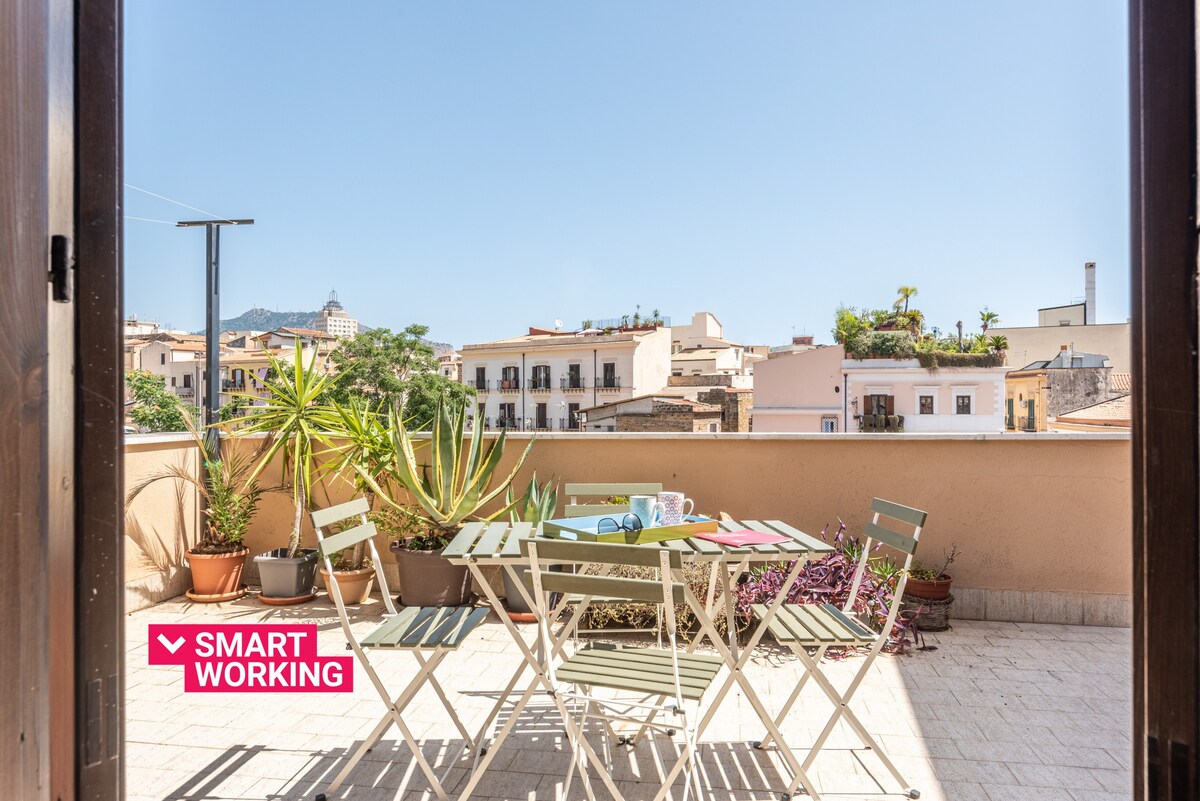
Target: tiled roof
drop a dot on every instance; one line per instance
(1115, 412)
(1122, 382)
(305, 332)
(697, 354)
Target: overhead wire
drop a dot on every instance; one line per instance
(217, 217)
(147, 219)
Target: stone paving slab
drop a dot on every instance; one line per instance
(998, 711)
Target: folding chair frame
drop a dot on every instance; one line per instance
(427, 663)
(906, 544)
(611, 710)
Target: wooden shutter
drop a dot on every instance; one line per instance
(890, 401)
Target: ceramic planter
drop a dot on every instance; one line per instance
(284, 577)
(426, 579)
(929, 590)
(355, 585)
(217, 573)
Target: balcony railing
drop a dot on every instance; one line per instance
(539, 384)
(185, 392)
(508, 422)
(565, 424)
(571, 383)
(508, 385)
(480, 384)
(1027, 424)
(609, 383)
(233, 386)
(881, 423)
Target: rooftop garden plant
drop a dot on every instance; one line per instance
(899, 333)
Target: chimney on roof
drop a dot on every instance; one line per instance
(1089, 293)
(1065, 352)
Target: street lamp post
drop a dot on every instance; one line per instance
(212, 339)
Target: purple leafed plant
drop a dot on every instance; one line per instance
(829, 579)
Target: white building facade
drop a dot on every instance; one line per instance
(542, 380)
(333, 319)
(946, 400)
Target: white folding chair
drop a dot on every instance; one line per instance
(824, 626)
(429, 633)
(644, 683)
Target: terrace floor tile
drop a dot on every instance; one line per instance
(998, 711)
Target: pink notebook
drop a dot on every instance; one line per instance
(745, 536)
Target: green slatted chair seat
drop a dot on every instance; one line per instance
(640, 670)
(816, 624)
(420, 627)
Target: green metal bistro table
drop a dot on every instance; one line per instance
(483, 545)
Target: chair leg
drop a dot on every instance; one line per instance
(393, 715)
(435, 660)
(576, 737)
(842, 709)
(795, 696)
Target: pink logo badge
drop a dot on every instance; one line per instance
(248, 658)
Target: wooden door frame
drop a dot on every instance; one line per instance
(99, 404)
(1166, 439)
(1166, 389)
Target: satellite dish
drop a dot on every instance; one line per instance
(558, 325)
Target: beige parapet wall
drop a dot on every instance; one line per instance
(1042, 522)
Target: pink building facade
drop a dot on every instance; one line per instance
(821, 391)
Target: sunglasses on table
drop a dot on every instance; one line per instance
(629, 522)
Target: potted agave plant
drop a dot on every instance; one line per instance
(230, 498)
(293, 418)
(451, 489)
(536, 505)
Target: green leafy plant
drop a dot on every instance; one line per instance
(882, 344)
(924, 572)
(362, 447)
(536, 505)
(906, 293)
(227, 490)
(457, 482)
(155, 408)
(294, 418)
(384, 369)
(935, 359)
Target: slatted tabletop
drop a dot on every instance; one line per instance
(499, 543)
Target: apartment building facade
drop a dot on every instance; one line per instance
(542, 380)
(821, 391)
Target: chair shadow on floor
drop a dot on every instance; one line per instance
(531, 766)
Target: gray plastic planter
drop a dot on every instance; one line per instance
(287, 578)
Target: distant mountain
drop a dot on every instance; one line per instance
(267, 320)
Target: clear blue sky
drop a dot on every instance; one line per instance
(483, 166)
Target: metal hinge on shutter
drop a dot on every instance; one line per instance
(62, 267)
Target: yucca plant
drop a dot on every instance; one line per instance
(457, 481)
(294, 418)
(364, 443)
(536, 505)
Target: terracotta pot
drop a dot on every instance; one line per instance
(355, 585)
(929, 590)
(217, 573)
(426, 579)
